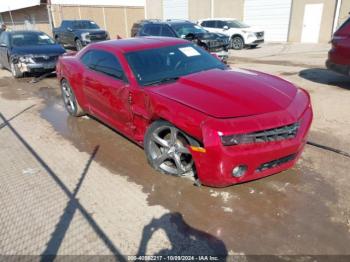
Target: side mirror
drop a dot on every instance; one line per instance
(69, 29)
(225, 27)
(190, 37)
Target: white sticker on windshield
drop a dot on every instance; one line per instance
(91, 22)
(44, 37)
(189, 51)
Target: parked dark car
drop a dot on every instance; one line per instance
(79, 33)
(28, 51)
(339, 56)
(212, 42)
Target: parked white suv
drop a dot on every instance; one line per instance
(240, 34)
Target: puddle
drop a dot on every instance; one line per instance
(287, 213)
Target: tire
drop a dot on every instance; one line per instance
(57, 39)
(16, 73)
(78, 44)
(166, 149)
(253, 46)
(70, 101)
(237, 43)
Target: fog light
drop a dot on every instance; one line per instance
(239, 171)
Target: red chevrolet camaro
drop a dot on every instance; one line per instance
(193, 115)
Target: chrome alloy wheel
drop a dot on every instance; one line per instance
(68, 98)
(169, 152)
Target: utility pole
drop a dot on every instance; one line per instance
(49, 14)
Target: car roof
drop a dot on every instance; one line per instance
(219, 18)
(25, 31)
(138, 43)
(167, 21)
(76, 20)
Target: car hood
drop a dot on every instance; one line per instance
(230, 93)
(211, 36)
(38, 50)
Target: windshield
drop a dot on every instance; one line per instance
(30, 38)
(159, 65)
(183, 30)
(85, 25)
(236, 24)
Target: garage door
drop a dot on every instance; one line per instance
(175, 9)
(270, 15)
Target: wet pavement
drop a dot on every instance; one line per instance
(304, 210)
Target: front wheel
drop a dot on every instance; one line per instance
(237, 43)
(78, 44)
(16, 73)
(167, 150)
(70, 100)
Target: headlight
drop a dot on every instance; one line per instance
(26, 59)
(237, 139)
(85, 36)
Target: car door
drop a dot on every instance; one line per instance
(219, 27)
(65, 32)
(106, 89)
(4, 49)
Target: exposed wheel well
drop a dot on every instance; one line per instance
(237, 35)
(197, 141)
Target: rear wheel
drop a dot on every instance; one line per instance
(167, 150)
(70, 100)
(237, 43)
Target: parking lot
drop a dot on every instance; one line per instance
(74, 186)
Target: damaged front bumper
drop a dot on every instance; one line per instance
(36, 67)
(216, 164)
(223, 55)
(35, 63)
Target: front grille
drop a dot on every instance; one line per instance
(259, 34)
(274, 134)
(218, 43)
(45, 58)
(276, 163)
(98, 37)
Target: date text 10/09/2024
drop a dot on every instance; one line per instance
(173, 258)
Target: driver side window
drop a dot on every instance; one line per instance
(220, 24)
(105, 63)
